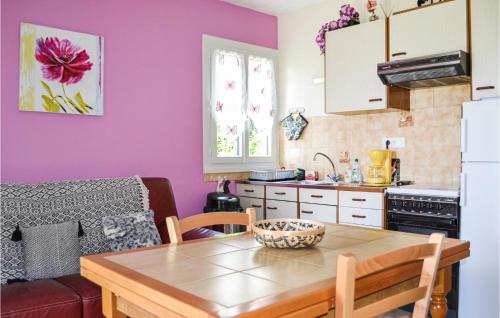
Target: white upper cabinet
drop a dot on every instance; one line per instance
(485, 52)
(351, 80)
(438, 28)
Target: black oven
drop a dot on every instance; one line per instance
(426, 215)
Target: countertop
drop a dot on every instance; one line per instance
(333, 186)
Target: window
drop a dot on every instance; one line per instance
(239, 106)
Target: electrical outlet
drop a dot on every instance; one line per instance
(395, 142)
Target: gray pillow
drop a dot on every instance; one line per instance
(131, 230)
(51, 250)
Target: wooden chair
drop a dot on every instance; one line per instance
(348, 269)
(176, 228)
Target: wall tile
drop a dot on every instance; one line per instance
(432, 152)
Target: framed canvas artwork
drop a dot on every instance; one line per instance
(60, 71)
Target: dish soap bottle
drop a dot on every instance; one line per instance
(356, 172)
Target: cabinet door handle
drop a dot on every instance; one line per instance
(250, 191)
(372, 100)
(307, 212)
(271, 208)
(482, 88)
(316, 196)
(359, 216)
(256, 206)
(280, 193)
(358, 200)
(398, 54)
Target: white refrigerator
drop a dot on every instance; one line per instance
(479, 280)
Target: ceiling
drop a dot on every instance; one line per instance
(274, 7)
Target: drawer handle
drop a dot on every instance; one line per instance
(358, 200)
(280, 193)
(482, 88)
(307, 212)
(398, 54)
(318, 196)
(359, 216)
(250, 191)
(256, 206)
(271, 208)
(372, 100)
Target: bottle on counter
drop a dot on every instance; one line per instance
(356, 176)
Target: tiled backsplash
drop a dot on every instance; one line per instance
(431, 153)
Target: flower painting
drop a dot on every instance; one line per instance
(60, 71)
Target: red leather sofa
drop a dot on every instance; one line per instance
(74, 296)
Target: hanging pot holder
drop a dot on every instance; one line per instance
(294, 126)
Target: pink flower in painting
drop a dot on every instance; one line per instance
(61, 60)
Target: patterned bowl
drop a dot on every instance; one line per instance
(288, 233)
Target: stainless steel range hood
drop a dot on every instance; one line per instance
(428, 71)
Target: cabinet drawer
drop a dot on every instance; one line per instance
(366, 200)
(357, 216)
(281, 193)
(250, 190)
(318, 212)
(318, 196)
(256, 203)
(281, 209)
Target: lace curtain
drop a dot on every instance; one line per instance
(243, 91)
(228, 91)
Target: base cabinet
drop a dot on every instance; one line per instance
(256, 203)
(281, 209)
(361, 217)
(318, 212)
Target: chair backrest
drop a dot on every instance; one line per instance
(348, 270)
(176, 227)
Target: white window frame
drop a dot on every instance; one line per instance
(212, 163)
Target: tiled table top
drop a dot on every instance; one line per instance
(234, 270)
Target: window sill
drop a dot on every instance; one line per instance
(211, 177)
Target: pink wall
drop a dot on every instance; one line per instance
(152, 91)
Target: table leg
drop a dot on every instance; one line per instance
(109, 305)
(438, 307)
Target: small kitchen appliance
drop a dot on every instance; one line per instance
(380, 170)
(224, 202)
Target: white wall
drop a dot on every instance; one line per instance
(300, 59)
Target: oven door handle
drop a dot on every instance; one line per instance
(419, 221)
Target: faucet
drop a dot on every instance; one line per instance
(334, 177)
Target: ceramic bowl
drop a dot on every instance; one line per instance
(288, 233)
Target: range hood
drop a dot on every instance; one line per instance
(428, 71)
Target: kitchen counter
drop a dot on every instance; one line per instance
(313, 185)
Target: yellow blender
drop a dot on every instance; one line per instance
(380, 170)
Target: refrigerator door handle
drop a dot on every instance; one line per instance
(463, 135)
(463, 189)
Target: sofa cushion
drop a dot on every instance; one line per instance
(162, 201)
(131, 230)
(51, 250)
(89, 293)
(27, 205)
(41, 298)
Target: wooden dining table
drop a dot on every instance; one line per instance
(234, 276)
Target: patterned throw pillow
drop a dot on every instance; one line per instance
(131, 231)
(51, 250)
